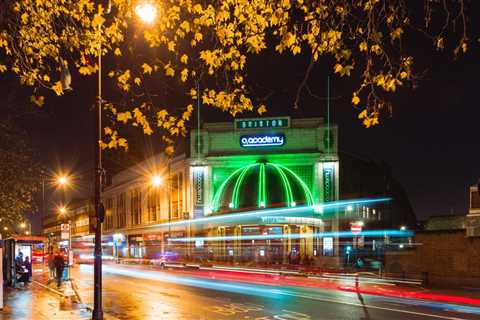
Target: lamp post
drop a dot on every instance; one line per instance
(147, 13)
(97, 313)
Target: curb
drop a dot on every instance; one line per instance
(49, 289)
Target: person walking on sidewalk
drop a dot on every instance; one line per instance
(51, 265)
(59, 266)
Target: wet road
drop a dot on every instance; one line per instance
(138, 293)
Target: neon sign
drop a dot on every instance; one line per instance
(262, 140)
(262, 123)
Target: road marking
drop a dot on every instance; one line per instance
(373, 307)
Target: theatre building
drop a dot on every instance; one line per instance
(254, 190)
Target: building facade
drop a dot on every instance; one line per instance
(237, 195)
(263, 191)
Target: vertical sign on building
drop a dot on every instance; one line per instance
(328, 182)
(198, 191)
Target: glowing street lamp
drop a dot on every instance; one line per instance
(63, 180)
(5, 228)
(62, 210)
(23, 225)
(146, 12)
(156, 181)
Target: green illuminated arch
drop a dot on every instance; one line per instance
(239, 176)
(308, 194)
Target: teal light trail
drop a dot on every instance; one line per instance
(366, 233)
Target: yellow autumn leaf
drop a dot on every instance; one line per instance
(24, 18)
(108, 131)
(363, 46)
(117, 52)
(46, 78)
(397, 33)
(57, 87)
(376, 49)
(122, 142)
(3, 68)
(146, 68)
(362, 114)
(262, 109)
(169, 150)
(137, 81)
(171, 46)
(296, 50)
(355, 99)
(184, 75)
(184, 59)
(169, 70)
(198, 36)
(338, 68)
(403, 75)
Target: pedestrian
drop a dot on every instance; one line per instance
(19, 259)
(20, 270)
(59, 266)
(51, 265)
(28, 265)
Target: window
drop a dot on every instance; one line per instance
(108, 223)
(136, 206)
(153, 204)
(121, 210)
(177, 195)
(475, 202)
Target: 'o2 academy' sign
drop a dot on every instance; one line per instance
(262, 140)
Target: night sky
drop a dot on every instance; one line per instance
(430, 141)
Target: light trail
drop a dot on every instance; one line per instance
(340, 234)
(302, 211)
(282, 292)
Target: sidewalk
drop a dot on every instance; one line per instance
(36, 303)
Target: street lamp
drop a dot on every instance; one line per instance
(23, 225)
(62, 210)
(156, 181)
(63, 180)
(146, 12)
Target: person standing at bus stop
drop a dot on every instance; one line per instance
(59, 266)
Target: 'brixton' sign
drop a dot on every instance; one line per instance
(262, 140)
(262, 123)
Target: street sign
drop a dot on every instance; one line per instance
(356, 228)
(65, 231)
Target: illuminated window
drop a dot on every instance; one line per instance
(108, 222)
(136, 206)
(121, 210)
(153, 204)
(177, 195)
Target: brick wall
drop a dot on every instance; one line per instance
(447, 258)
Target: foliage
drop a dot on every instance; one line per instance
(207, 44)
(19, 173)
